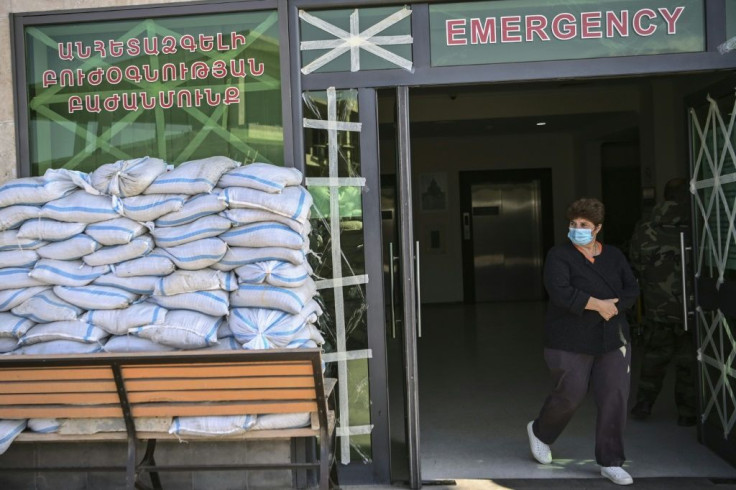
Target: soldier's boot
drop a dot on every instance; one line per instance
(641, 410)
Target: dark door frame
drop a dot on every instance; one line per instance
(468, 178)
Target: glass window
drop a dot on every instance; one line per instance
(356, 39)
(176, 88)
(332, 169)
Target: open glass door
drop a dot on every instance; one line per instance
(713, 188)
(401, 292)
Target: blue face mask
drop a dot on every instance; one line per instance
(580, 236)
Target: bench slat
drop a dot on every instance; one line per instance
(59, 399)
(55, 373)
(218, 371)
(220, 395)
(235, 408)
(81, 386)
(60, 411)
(134, 385)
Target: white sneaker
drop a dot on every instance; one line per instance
(617, 475)
(540, 450)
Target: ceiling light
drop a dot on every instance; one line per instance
(541, 123)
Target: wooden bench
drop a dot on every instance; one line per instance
(169, 384)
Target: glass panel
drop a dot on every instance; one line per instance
(344, 325)
(316, 142)
(177, 88)
(715, 267)
(336, 52)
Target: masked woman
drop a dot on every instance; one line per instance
(587, 341)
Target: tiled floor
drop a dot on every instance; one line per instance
(482, 378)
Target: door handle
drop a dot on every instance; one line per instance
(419, 292)
(466, 226)
(393, 307)
(683, 249)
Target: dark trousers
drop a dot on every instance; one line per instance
(608, 377)
(664, 344)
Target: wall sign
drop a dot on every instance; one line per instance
(177, 88)
(535, 30)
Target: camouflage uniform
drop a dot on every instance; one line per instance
(655, 255)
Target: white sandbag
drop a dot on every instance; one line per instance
(120, 253)
(96, 297)
(10, 298)
(18, 277)
(34, 190)
(66, 272)
(74, 248)
(76, 177)
(49, 230)
(205, 227)
(67, 330)
(151, 265)
(118, 231)
(276, 421)
(245, 216)
(80, 207)
(224, 331)
(226, 343)
(126, 178)
(214, 303)
(293, 202)
(9, 241)
(194, 208)
(196, 255)
(113, 424)
(212, 425)
(183, 281)
(118, 322)
(263, 328)
(13, 216)
(182, 329)
(239, 256)
(273, 272)
(263, 235)
(290, 300)
(59, 347)
(192, 177)
(261, 176)
(149, 208)
(306, 344)
(19, 258)
(137, 285)
(9, 430)
(9, 344)
(131, 343)
(14, 326)
(43, 426)
(47, 307)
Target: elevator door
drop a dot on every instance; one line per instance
(503, 236)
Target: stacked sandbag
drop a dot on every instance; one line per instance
(137, 256)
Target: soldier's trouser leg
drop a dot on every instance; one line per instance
(685, 375)
(659, 350)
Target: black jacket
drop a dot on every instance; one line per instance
(571, 280)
